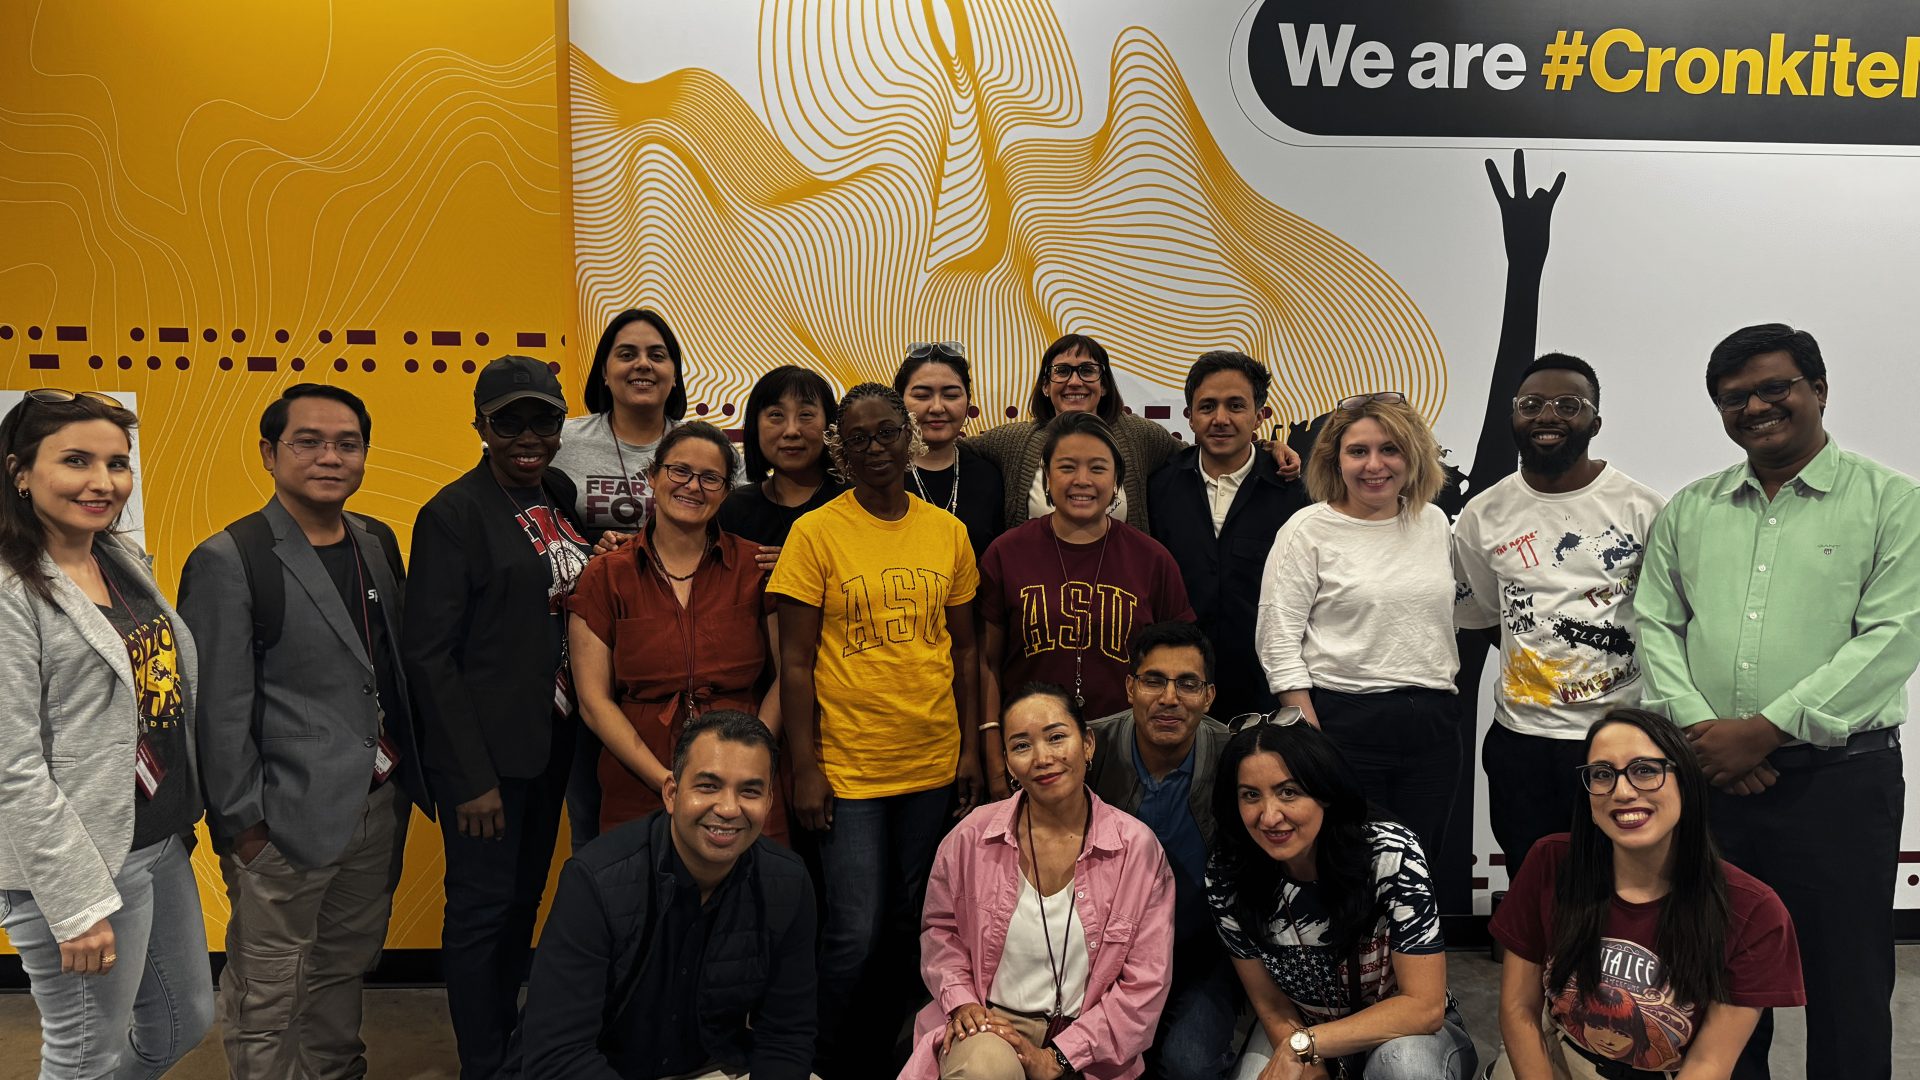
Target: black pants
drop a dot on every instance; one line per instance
(493, 899)
(1403, 747)
(1532, 790)
(1827, 839)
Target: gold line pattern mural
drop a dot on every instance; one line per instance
(918, 176)
(205, 202)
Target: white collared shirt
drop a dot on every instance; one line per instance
(1221, 489)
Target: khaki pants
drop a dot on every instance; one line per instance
(987, 1056)
(1567, 1064)
(299, 943)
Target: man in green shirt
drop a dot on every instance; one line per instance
(1779, 624)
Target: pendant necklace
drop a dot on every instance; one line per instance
(1059, 550)
(953, 497)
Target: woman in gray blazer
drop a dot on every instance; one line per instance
(98, 795)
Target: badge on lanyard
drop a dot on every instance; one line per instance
(148, 770)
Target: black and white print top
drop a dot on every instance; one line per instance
(1309, 972)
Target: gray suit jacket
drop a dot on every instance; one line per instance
(305, 772)
(1113, 777)
(69, 719)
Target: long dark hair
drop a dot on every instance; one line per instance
(1342, 853)
(809, 386)
(599, 398)
(1692, 933)
(1040, 407)
(23, 537)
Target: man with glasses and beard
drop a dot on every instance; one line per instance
(1551, 555)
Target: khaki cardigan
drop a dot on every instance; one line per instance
(1015, 447)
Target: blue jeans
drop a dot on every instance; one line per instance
(1447, 1054)
(155, 1003)
(1195, 1041)
(877, 857)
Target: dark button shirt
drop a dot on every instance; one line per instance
(1164, 809)
(673, 971)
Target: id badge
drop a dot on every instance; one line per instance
(385, 757)
(148, 770)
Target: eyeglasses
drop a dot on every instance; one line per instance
(1187, 686)
(1384, 397)
(1567, 406)
(544, 425)
(48, 395)
(1284, 716)
(307, 447)
(1645, 774)
(920, 350)
(1088, 371)
(681, 474)
(1770, 391)
(858, 441)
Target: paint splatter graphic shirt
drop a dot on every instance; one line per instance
(1557, 573)
(1631, 1016)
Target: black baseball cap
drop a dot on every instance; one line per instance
(510, 378)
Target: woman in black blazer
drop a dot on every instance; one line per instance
(495, 554)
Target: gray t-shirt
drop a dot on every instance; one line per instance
(610, 475)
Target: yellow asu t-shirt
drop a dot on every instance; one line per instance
(884, 672)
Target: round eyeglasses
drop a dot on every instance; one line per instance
(1645, 774)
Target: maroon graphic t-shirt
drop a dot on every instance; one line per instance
(1110, 588)
(1631, 1016)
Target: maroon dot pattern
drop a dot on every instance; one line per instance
(137, 334)
(226, 363)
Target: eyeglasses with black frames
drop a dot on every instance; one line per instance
(681, 474)
(1645, 774)
(1770, 391)
(1087, 370)
(858, 441)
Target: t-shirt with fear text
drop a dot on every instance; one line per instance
(610, 475)
(1632, 1017)
(883, 673)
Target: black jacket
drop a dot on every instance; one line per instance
(1223, 574)
(584, 1019)
(479, 645)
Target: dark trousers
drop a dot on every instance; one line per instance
(1404, 748)
(1532, 790)
(1827, 839)
(877, 857)
(493, 899)
(583, 789)
(1195, 1040)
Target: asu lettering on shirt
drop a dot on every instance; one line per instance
(1091, 616)
(911, 604)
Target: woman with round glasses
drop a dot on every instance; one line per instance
(878, 674)
(788, 413)
(1355, 625)
(1075, 377)
(937, 385)
(1329, 913)
(495, 554)
(671, 626)
(1048, 937)
(1648, 951)
(1062, 594)
(98, 787)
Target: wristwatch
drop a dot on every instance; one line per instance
(1066, 1067)
(1301, 1043)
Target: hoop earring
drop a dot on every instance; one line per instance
(23, 493)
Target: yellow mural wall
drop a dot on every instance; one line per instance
(203, 202)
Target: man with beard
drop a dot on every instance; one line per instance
(1552, 555)
(1779, 620)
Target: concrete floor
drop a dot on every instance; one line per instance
(408, 1037)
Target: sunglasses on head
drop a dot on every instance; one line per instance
(920, 350)
(48, 395)
(1284, 716)
(1384, 397)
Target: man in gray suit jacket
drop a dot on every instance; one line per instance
(1156, 761)
(306, 742)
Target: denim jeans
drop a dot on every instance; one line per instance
(1195, 1041)
(155, 1003)
(877, 857)
(1447, 1054)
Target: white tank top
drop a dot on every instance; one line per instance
(1024, 981)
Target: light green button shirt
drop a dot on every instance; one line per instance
(1804, 608)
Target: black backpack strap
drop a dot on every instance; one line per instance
(267, 590)
(389, 544)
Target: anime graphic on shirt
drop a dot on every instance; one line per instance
(1631, 1016)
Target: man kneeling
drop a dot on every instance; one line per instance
(672, 934)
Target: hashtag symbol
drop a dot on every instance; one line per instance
(1563, 66)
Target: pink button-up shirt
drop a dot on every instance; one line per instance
(1124, 893)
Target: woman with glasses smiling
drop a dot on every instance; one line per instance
(671, 626)
(1328, 910)
(1650, 953)
(495, 554)
(878, 674)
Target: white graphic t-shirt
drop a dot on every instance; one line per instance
(1558, 573)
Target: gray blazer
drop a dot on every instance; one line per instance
(305, 772)
(69, 720)
(1113, 777)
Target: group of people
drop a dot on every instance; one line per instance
(1059, 749)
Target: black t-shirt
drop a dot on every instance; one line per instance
(351, 577)
(982, 505)
(157, 682)
(750, 515)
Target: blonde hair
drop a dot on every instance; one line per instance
(1425, 476)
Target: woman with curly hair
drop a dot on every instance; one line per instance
(878, 671)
